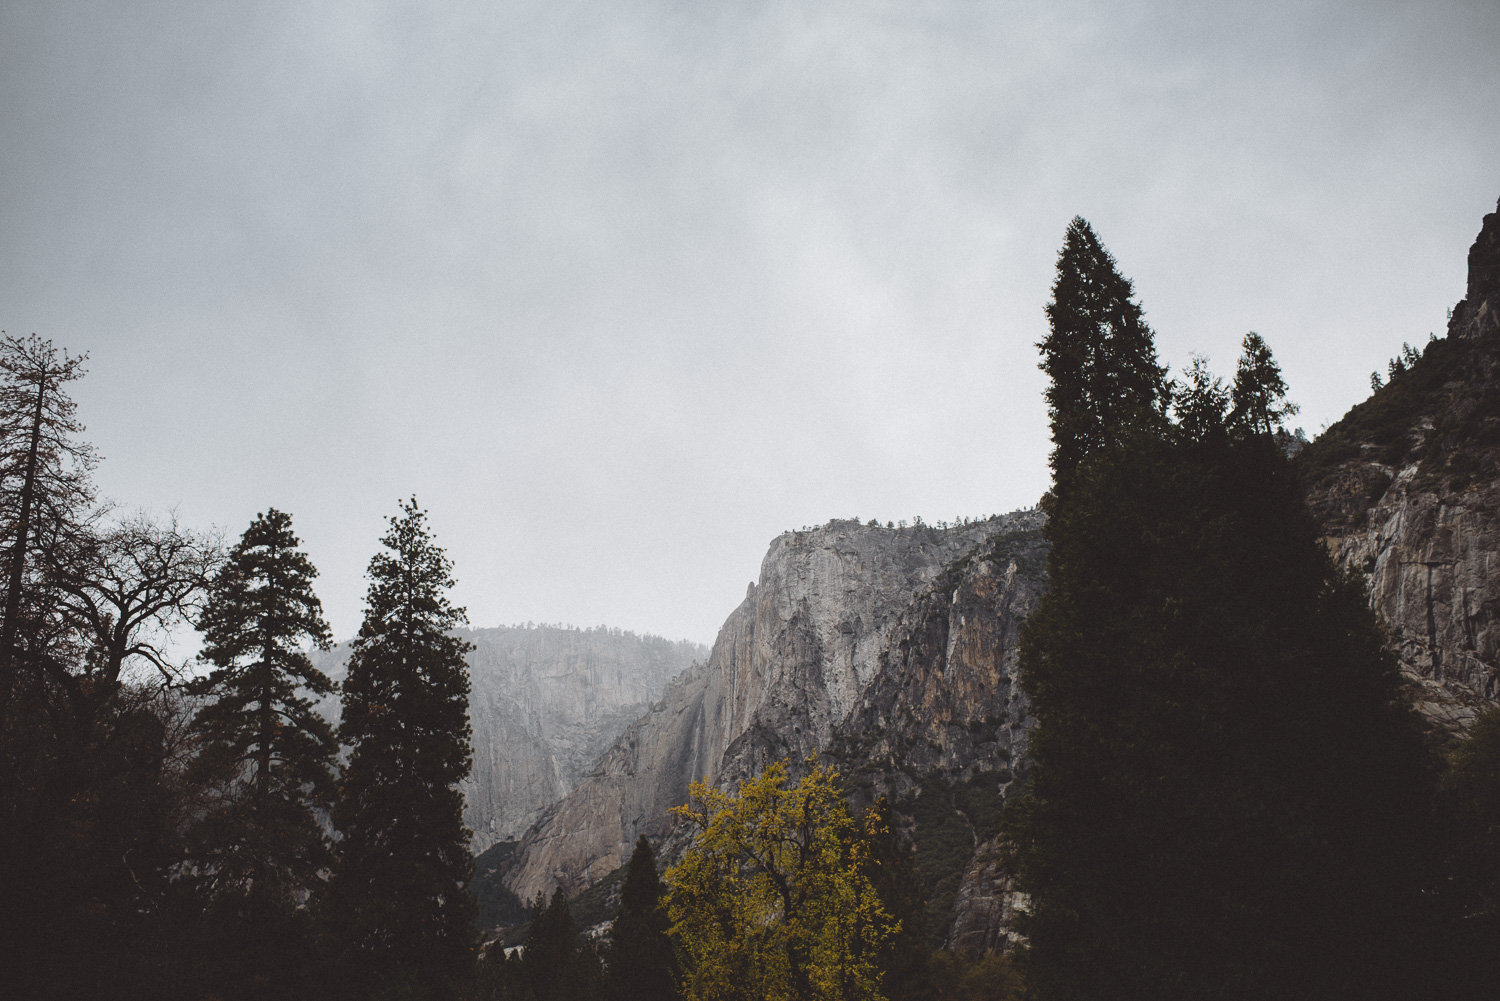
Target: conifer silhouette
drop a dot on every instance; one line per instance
(639, 962)
(1099, 353)
(270, 747)
(399, 898)
(1227, 788)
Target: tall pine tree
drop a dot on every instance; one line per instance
(556, 963)
(399, 897)
(259, 851)
(1227, 788)
(261, 723)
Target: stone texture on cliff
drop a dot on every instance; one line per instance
(945, 698)
(789, 665)
(985, 910)
(1407, 487)
(945, 719)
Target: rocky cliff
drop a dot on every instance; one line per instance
(943, 728)
(790, 665)
(546, 702)
(1407, 486)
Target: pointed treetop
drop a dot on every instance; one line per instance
(1259, 393)
(1099, 353)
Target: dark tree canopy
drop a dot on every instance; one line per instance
(46, 491)
(1259, 393)
(398, 893)
(92, 780)
(1227, 787)
(556, 964)
(1469, 816)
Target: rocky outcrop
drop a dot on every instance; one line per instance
(945, 699)
(1478, 313)
(791, 664)
(1407, 487)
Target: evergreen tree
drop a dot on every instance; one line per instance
(1099, 353)
(262, 729)
(398, 897)
(1227, 788)
(46, 491)
(890, 864)
(639, 961)
(556, 964)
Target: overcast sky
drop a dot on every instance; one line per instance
(622, 290)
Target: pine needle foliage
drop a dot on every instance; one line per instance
(399, 896)
(1106, 382)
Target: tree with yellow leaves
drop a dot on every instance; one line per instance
(772, 901)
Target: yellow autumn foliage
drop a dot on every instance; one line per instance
(771, 902)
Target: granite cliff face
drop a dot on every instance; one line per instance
(546, 701)
(790, 665)
(1407, 486)
(942, 731)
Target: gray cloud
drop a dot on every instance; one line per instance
(620, 291)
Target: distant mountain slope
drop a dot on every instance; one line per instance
(1407, 486)
(546, 702)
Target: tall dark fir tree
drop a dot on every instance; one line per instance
(261, 726)
(399, 900)
(258, 850)
(1227, 787)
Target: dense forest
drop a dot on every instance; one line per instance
(1228, 795)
